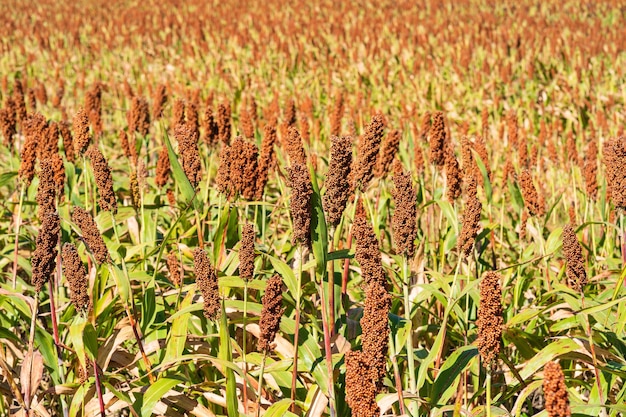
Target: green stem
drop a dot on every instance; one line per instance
(294, 375)
(409, 340)
(18, 224)
(488, 406)
(260, 389)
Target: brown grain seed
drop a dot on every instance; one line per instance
(375, 326)
(162, 167)
(360, 386)
(246, 252)
(337, 187)
(139, 116)
(453, 175)
(211, 129)
(158, 101)
(576, 273)
(247, 126)
(188, 150)
(555, 391)
(271, 313)
(224, 185)
(295, 150)
(404, 220)
(367, 153)
(337, 115)
(591, 169)
(80, 129)
(512, 128)
(68, 141)
(173, 268)
(20, 103)
(91, 235)
(438, 140)
(206, 281)
(43, 260)
(266, 158)
(471, 220)
(300, 203)
(7, 126)
(104, 179)
(490, 320)
(529, 192)
(243, 167)
(388, 151)
(367, 252)
(178, 114)
(76, 276)
(223, 122)
(47, 189)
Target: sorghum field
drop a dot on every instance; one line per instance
(312, 208)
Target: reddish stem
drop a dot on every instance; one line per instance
(98, 387)
(346, 266)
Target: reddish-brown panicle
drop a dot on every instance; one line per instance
(91, 235)
(206, 281)
(43, 260)
(80, 127)
(47, 189)
(438, 140)
(68, 141)
(337, 115)
(360, 386)
(404, 220)
(188, 150)
(104, 179)
(591, 169)
(271, 313)
(76, 276)
(576, 272)
(388, 152)
(162, 167)
(173, 268)
(300, 203)
(246, 252)
(223, 122)
(555, 391)
(158, 101)
(247, 126)
(453, 175)
(490, 320)
(337, 186)
(266, 158)
(139, 116)
(367, 153)
(211, 129)
(471, 219)
(529, 192)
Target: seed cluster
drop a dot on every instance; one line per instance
(271, 313)
(44, 258)
(76, 276)
(576, 273)
(206, 280)
(555, 391)
(91, 235)
(337, 187)
(490, 320)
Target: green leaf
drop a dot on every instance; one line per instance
(319, 233)
(452, 368)
(122, 283)
(155, 392)
(550, 352)
(226, 354)
(90, 341)
(6, 177)
(483, 171)
(178, 332)
(289, 278)
(181, 179)
(279, 408)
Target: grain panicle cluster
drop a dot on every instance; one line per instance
(104, 179)
(576, 272)
(76, 276)
(206, 281)
(490, 321)
(404, 220)
(271, 313)
(300, 203)
(91, 235)
(337, 186)
(43, 260)
(555, 391)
